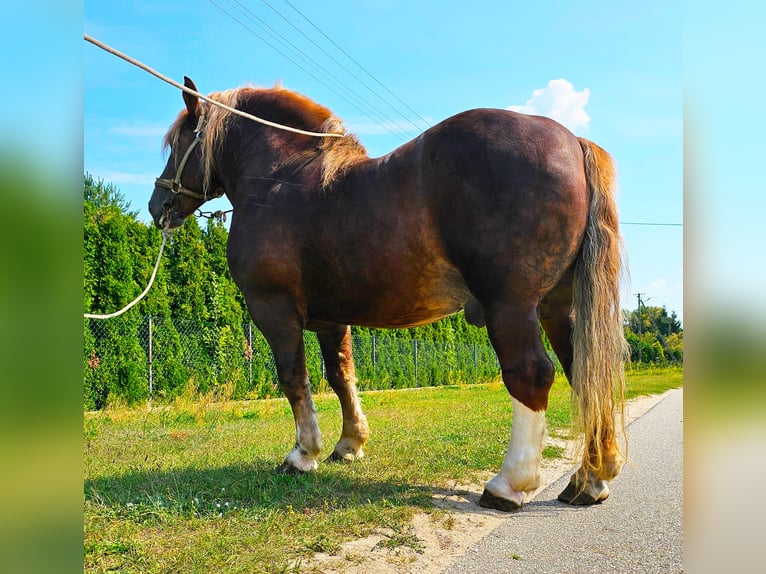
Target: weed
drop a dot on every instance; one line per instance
(443, 518)
(353, 558)
(323, 543)
(401, 537)
(551, 451)
(107, 548)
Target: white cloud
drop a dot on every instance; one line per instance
(561, 102)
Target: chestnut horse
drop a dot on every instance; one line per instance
(508, 216)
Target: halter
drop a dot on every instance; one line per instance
(175, 185)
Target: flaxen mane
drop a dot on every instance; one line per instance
(338, 154)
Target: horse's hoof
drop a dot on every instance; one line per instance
(593, 493)
(344, 458)
(297, 462)
(337, 457)
(286, 468)
(489, 500)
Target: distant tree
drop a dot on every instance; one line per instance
(654, 320)
(676, 344)
(100, 194)
(654, 335)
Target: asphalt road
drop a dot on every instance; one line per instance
(638, 529)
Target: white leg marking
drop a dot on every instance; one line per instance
(355, 434)
(349, 449)
(308, 443)
(521, 468)
(300, 461)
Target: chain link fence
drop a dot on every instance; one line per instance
(138, 358)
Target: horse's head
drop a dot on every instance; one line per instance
(182, 186)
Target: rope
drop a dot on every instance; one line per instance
(188, 90)
(141, 296)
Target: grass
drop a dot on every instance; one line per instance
(191, 487)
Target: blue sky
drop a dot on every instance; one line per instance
(609, 71)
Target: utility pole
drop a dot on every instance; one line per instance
(640, 320)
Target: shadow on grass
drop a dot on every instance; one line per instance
(257, 489)
(253, 487)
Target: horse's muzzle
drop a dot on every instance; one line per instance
(169, 219)
(164, 210)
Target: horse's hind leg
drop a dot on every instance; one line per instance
(588, 487)
(528, 376)
(555, 314)
(335, 343)
(556, 319)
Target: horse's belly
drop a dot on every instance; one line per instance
(395, 299)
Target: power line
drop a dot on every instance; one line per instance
(374, 112)
(341, 65)
(302, 67)
(355, 62)
(275, 35)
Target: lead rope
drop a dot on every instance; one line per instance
(155, 73)
(143, 293)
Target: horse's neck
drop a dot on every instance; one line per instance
(251, 176)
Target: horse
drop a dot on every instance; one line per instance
(509, 217)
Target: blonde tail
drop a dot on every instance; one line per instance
(598, 377)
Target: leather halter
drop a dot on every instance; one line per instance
(175, 185)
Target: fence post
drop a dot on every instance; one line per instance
(151, 360)
(374, 354)
(250, 345)
(415, 356)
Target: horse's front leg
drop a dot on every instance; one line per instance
(284, 333)
(290, 357)
(336, 350)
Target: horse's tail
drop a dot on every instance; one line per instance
(598, 377)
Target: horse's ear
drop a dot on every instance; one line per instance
(190, 100)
